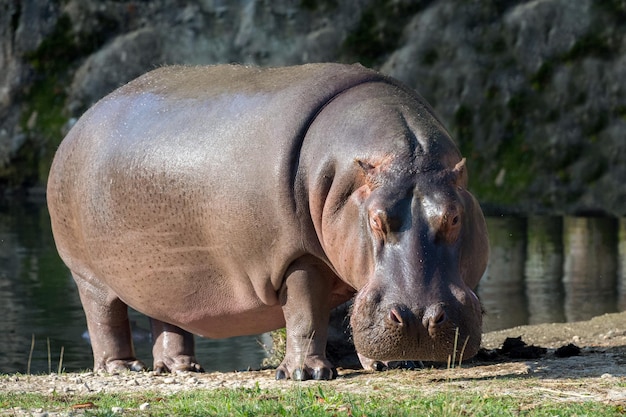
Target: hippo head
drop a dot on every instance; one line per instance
(399, 226)
(428, 242)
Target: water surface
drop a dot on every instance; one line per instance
(551, 269)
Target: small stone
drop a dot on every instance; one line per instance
(144, 406)
(117, 410)
(169, 381)
(615, 395)
(606, 376)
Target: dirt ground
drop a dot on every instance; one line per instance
(598, 373)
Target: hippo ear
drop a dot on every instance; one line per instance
(460, 174)
(367, 167)
(370, 172)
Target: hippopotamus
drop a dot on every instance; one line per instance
(232, 200)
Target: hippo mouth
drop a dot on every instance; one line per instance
(438, 333)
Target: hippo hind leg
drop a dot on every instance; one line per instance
(109, 327)
(173, 348)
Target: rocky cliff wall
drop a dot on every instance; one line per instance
(532, 91)
(534, 94)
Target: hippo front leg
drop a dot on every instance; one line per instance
(305, 299)
(173, 348)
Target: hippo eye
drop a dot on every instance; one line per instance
(451, 222)
(378, 222)
(449, 228)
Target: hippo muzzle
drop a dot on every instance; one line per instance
(386, 326)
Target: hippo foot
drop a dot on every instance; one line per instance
(120, 365)
(312, 368)
(179, 364)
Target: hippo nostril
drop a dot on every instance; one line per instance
(434, 316)
(396, 316)
(440, 318)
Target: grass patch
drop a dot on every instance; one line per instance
(301, 399)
